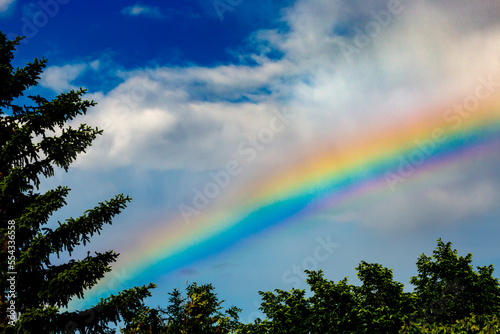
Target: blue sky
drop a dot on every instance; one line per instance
(180, 84)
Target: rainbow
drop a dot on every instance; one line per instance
(382, 159)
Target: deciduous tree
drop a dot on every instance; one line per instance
(449, 297)
(447, 288)
(200, 312)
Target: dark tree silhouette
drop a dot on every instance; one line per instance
(33, 140)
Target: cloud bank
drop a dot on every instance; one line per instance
(334, 70)
(345, 67)
(5, 5)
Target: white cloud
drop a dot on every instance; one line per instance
(5, 5)
(142, 10)
(180, 120)
(463, 193)
(59, 78)
(196, 118)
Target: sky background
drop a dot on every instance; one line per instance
(185, 87)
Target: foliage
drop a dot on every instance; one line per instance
(450, 289)
(482, 324)
(377, 306)
(200, 312)
(449, 297)
(34, 139)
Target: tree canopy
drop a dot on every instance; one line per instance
(448, 295)
(35, 139)
(199, 311)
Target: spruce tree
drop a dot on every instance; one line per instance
(34, 140)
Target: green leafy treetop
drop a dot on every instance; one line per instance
(200, 313)
(449, 297)
(449, 289)
(29, 150)
(376, 307)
